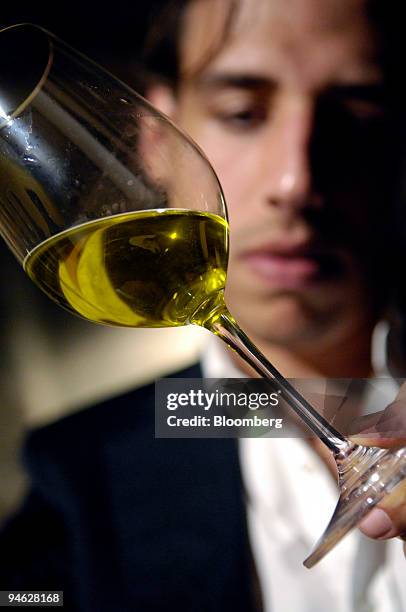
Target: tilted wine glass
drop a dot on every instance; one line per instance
(118, 216)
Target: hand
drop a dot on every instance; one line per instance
(387, 429)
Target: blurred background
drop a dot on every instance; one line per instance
(52, 363)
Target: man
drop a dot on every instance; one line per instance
(296, 93)
(286, 99)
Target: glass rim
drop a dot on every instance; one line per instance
(54, 43)
(5, 119)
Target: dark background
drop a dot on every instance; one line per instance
(113, 30)
(31, 324)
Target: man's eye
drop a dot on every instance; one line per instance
(242, 119)
(364, 110)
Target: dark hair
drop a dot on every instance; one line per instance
(161, 55)
(161, 58)
(161, 45)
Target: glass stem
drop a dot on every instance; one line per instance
(224, 326)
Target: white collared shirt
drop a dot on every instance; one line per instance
(290, 499)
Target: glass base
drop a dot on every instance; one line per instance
(364, 480)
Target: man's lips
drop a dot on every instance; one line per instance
(288, 265)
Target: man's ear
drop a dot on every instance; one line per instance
(163, 98)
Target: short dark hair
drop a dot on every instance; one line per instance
(161, 58)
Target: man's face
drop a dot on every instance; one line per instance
(288, 110)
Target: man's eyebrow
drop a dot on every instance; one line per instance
(370, 92)
(234, 80)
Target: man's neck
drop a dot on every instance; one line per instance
(349, 358)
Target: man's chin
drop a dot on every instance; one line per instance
(285, 321)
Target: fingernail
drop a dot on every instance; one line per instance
(377, 524)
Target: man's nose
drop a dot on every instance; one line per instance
(288, 169)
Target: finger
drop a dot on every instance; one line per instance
(386, 428)
(365, 424)
(388, 519)
(376, 438)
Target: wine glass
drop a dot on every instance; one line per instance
(118, 216)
